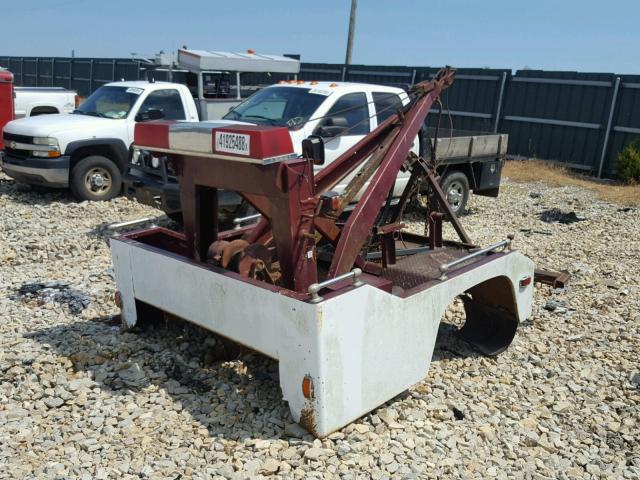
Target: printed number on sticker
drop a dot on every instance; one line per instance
(233, 143)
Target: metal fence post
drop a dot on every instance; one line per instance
(91, 77)
(499, 105)
(413, 77)
(616, 87)
(53, 71)
(22, 71)
(70, 73)
(113, 70)
(37, 71)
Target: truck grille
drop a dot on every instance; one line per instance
(17, 153)
(17, 138)
(12, 137)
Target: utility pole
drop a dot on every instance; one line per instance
(352, 29)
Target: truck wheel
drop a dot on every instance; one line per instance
(456, 189)
(95, 178)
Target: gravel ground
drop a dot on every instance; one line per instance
(80, 399)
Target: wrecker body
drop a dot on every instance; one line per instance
(349, 307)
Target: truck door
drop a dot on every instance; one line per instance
(346, 123)
(167, 101)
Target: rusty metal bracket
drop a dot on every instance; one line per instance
(387, 234)
(550, 277)
(435, 230)
(440, 198)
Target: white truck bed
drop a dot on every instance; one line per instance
(357, 349)
(30, 101)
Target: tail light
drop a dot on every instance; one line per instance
(525, 281)
(307, 387)
(77, 100)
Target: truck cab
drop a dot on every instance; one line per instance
(341, 113)
(88, 150)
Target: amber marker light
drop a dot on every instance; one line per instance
(307, 387)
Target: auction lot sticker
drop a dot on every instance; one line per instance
(237, 143)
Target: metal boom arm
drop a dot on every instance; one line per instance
(398, 133)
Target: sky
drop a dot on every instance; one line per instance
(581, 35)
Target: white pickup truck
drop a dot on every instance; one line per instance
(341, 113)
(88, 150)
(33, 101)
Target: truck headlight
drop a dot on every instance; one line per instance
(144, 158)
(47, 147)
(45, 141)
(135, 156)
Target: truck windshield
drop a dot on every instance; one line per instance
(281, 106)
(110, 102)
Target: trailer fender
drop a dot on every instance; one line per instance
(491, 321)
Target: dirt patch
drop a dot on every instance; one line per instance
(557, 175)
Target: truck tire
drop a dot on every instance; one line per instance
(456, 189)
(95, 178)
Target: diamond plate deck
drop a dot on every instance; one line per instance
(412, 271)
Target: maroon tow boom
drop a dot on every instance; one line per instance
(289, 196)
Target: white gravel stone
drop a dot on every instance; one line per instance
(81, 399)
(53, 402)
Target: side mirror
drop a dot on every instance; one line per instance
(313, 149)
(333, 126)
(151, 114)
